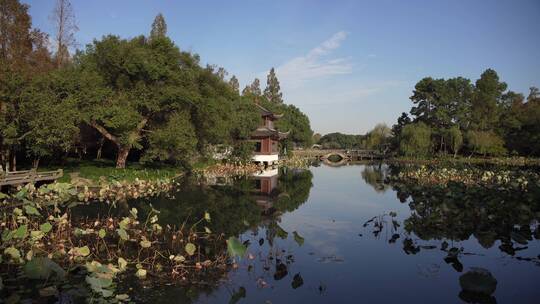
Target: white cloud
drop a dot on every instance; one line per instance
(298, 70)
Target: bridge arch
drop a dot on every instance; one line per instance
(341, 155)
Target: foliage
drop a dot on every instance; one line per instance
(159, 27)
(235, 85)
(23, 56)
(175, 141)
(242, 152)
(454, 139)
(121, 95)
(378, 138)
(293, 121)
(144, 246)
(415, 140)
(484, 112)
(341, 141)
(485, 143)
(457, 203)
(272, 90)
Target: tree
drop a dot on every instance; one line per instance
(23, 55)
(235, 85)
(127, 87)
(341, 141)
(316, 138)
(415, 140)
(459, 92)
(63, 19)
(294, 122)
(174, 141)
(15, 34)
(246, 91)
(485, 143)
(255, 87)
(520, 123)
(159, 27)
(402, 121)
(379, 137)
(486, 100)
(455, 139)
(272, 90)
(427, 96)
(50, 116)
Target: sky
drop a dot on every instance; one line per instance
(347, 64)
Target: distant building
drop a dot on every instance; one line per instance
(266, 139)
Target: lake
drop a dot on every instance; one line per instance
(342, 235)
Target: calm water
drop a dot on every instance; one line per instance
(310, 243)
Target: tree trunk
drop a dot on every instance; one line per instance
(36, 163)
(14, 162)
(100, 147)
(123, 152)
(8, 160)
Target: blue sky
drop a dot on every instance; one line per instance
(347, 64)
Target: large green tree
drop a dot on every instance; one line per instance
(486, 101)
(128, 87)
(23, 56)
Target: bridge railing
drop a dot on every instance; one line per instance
(29, 176)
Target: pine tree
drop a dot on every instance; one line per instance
(486, 101)
(272, 91)
(235, 85)
(159, 27)
(255, 87)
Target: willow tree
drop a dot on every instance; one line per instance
(129, 88)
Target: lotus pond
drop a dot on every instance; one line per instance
(371, 233)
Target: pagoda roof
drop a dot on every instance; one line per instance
(268, 132)
(265, 112)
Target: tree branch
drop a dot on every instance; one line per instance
(24, 135)
(104, 132)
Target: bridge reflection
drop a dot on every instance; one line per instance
(352, 155)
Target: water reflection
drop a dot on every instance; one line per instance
(458, 213)
(282, 215)
(375, 176)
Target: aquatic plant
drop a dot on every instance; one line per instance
(499, 179)
(227, 170)
(44, 242)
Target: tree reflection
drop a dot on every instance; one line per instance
(375, 176)
(246, 206)
(457, 212)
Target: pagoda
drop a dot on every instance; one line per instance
(266, 139)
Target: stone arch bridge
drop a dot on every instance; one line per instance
(342, 154)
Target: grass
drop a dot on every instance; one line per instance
(95, 170)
